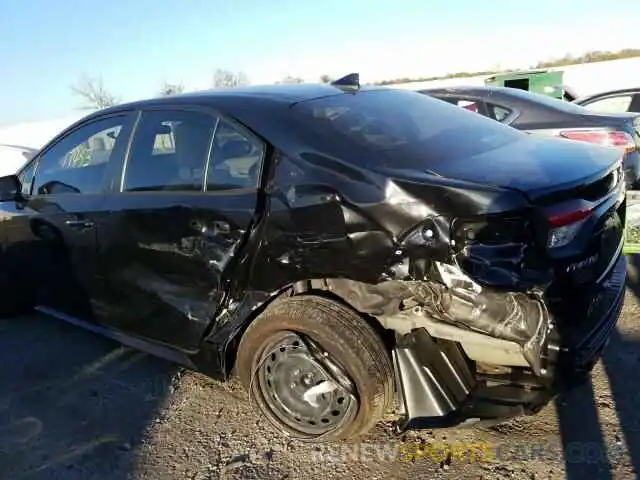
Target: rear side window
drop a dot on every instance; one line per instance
(236, 159)
(401, 128)
(169, 151)
(616, 104)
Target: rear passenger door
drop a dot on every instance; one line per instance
(183, 204)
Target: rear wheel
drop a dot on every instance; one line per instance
(316, 369)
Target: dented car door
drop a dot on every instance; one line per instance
(176, 223)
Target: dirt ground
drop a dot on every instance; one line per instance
(76, 406)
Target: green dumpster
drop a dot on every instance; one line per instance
(545, 82)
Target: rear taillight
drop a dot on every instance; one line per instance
(607, 138)
(565, 226)
(563, 219)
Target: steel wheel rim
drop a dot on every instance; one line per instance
(289, 367)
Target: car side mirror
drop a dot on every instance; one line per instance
(10, 188)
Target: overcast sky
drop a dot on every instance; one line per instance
(135, 45)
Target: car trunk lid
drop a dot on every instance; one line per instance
(577, 196)
(538, 167)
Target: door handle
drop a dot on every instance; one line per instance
(79, 223)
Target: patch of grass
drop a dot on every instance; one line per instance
(632, 231)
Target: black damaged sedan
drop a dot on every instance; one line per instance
(341, 249)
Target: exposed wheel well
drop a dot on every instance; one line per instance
(387, 336)
(306, 343)
(301, 288)
(231, 348)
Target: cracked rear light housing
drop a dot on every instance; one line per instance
(565, 226)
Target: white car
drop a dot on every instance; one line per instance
(12, 157)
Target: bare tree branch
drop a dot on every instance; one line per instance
(168, 89)
(92, 90)
(227, 79)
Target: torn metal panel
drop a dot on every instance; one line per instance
(500, 251)
(232, 320)
(434, 377)
(516, 317)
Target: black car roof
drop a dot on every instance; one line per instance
(282, 94)
(262, 108)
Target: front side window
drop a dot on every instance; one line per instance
(77, 163)
(611, 104)
(169, 151)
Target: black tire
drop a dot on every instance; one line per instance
(350, 342)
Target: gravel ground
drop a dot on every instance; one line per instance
(76, 406)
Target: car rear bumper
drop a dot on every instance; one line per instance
(439, 387)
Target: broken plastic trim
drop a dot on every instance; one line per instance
(519, 318)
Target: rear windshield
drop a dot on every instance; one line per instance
(400, 128)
